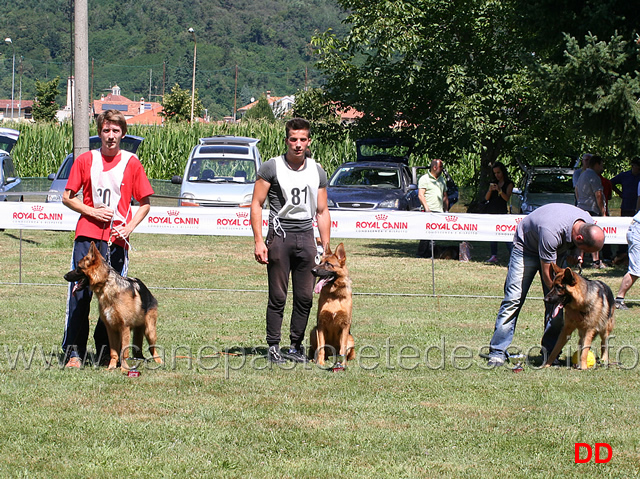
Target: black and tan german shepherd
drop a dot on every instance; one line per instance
(588, 307)
(334, 308)
(125, 304)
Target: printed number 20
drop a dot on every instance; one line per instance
(105, 195)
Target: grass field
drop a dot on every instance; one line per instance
(418, 402)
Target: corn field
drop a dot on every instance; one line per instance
(164, 152)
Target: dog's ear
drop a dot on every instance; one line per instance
(327, 251)
(569, 277)
(340, 254)
(556, 269)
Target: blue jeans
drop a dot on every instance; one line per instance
(522, 270)
(633, 240)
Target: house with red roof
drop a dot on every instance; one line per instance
(21, 110)
(135, 112)
(281, 105)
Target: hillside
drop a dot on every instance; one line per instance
(144, 46)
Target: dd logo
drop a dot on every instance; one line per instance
(597, 447)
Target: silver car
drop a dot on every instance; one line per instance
(221, 171)
(542, 185)
(59, 179)
(9, 181)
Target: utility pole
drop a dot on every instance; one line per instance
(81, 78)
(235, 97)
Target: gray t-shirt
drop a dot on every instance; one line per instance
(546, 232)
(276, 199)
(588, 183)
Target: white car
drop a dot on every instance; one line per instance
(221, 171)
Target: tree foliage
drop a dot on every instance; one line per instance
(176, 106)
(451, 74)
(45, 106)
(261, 111)
(497, 79)
(596, 94)
(314, 105)
(145, 48)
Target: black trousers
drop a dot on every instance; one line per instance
(292, 255)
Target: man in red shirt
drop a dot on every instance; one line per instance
(109, 178)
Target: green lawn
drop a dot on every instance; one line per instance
(418, 402)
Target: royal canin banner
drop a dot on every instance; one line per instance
(344, 224)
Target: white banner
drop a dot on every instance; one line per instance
(344, 224)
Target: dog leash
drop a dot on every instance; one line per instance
(111, 228)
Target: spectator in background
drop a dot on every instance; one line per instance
(497, 198)
(432, 192)
(580, 166)
(628, 181)
(590, 195)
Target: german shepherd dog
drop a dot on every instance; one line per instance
(334, 308)
(588, 306)
(125, 304)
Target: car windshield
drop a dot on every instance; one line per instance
(551, 183)
(374, 177)
(217, 170)
(66, 168)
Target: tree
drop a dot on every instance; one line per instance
(597, 94)
(587, 54)
(260, 111)
(314, 105)
(45, 106)
(177, 105)
(495, 78)
(451, 74)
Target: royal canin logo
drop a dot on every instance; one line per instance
(451, 218)
(239, 220)
(382, 223)
(518, 220)
(173, 218)
(36, 214)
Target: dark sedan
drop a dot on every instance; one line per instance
(373, 185)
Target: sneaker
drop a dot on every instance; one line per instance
(620, 305)
(492, 260)
(495, 362)
(74, 362)
(598, 265)
(296, 354)
(274, 356)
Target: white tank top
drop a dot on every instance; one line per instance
(299, 189)
(106, 185)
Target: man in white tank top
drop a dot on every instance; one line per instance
(296, 187)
